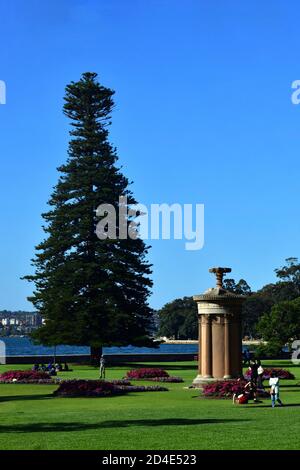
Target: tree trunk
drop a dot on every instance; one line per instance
(96, 353)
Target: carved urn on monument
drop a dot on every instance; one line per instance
(220, 332)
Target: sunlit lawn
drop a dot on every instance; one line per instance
(31, 418)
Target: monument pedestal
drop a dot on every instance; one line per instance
(220, 337)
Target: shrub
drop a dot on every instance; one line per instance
(280, 373)
(25, 376)
(146, 373)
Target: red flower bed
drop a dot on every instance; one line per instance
(146, 373)
(86, 388)
(100, 388)
(24, 376)
(280, 373)
(223, 388)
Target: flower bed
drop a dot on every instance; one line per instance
(25, 376)
(100, 388)
(227, 388)
(142, 388)
(146, 373)
(86, 388)
(223, 388)
(280, 373)
(166, 379)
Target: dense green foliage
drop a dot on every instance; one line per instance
(91, 291)
(281, 325)
(31, 418)
(178, 319)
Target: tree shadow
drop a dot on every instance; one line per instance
(25, 397)
(51, 396)
(168, 422)
(75, 426)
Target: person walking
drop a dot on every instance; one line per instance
(102, 367)
(274, 390)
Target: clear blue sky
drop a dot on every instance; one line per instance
(203, 115)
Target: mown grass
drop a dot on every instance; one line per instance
(31, 418)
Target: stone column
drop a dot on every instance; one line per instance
(199, 344)
(227, 361)
(218, 346)
(206, 336)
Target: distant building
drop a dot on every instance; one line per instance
(19, 322)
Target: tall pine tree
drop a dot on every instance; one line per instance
(90, 291)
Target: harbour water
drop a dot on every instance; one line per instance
(22, 346)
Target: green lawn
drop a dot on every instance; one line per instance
(31, 418)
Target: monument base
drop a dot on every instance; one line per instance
(200, 380)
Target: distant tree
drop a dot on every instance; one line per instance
(281, 325)
(240, 288)
(290, 273)
(178, 319)
(253, 308)
(90, 291)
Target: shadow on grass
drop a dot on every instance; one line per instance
(163, 365)
(279, 364)
(71, 427)
(51, 396)
(167, 422)
(25, 397)
(288, 405)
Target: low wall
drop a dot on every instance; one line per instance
(110, 358)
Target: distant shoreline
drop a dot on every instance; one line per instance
(168, 341)
(195, 341)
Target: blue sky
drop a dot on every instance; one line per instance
(203, 115)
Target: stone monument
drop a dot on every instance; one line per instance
(220, 335)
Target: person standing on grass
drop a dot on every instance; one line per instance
(274, 390)
(260, 375)
(102, 367)
(253, 371)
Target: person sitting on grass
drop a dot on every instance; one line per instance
(251, 389)
(242, 397)
(274, 390)
(249, 393)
